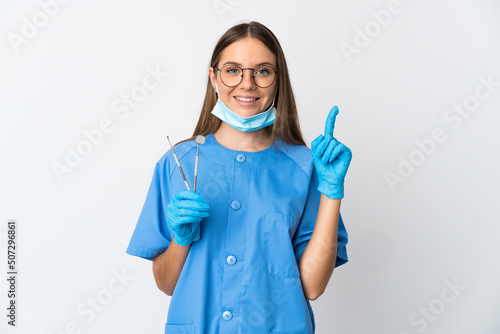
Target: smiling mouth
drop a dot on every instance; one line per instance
(244, 99)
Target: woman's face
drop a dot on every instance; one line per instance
(246, 53)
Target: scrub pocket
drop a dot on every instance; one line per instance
(179, 329)
(278, 257)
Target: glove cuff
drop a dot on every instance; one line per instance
(333, 191)
(193, 234)
(181, 241)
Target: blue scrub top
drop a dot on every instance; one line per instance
(242, 275)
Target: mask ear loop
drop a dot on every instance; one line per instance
(274, 100)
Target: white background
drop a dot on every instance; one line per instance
(405, 243)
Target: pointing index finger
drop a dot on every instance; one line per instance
(330, 121)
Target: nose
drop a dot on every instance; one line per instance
(247, 80)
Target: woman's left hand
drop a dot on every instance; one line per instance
(331, 159)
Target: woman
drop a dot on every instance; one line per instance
(239, 255)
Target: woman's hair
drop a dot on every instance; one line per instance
(286, 124)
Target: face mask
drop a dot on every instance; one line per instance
(244, 124)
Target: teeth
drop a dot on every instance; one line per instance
(245, 99)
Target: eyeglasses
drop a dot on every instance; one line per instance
(232, 75)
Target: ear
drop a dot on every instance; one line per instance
(211, 74)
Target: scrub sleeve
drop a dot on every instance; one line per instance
(152, 234)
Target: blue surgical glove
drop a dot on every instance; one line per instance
(331, 159)
(184, 214)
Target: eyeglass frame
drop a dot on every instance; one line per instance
(246, 68)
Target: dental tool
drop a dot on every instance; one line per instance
(199, 140)
(179, 165)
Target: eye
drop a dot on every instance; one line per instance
(232, 70)
(263, 71)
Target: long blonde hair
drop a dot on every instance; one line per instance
(286, 125)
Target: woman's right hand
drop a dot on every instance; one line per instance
(184, 214)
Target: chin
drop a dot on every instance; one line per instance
(246, 112)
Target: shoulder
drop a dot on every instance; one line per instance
(299, 154)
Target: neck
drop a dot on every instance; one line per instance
(237, 140)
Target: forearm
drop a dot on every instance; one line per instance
(168, 265)
(319, 257)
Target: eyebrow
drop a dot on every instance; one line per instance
(235, 63)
